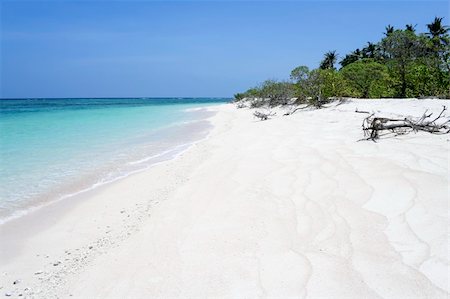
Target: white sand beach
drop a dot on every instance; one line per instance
(292, 207)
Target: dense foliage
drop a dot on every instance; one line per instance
(368, 78)
(403, 64)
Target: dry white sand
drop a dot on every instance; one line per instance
(293, 207)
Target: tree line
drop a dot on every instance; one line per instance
(403, 64)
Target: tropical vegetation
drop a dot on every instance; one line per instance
(402, 64)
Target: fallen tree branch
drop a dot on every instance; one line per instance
(262, 115)
(373, 126)
(296, 109)
(240, 105)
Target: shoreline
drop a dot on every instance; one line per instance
(70, 191)
(274, 208)
(64, 214)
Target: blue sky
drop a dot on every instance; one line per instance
(185, 48)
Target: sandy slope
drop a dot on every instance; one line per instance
(291, 207)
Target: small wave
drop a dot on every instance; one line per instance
(195, 109)
(159, 155)
(177, 150)
(180, 131)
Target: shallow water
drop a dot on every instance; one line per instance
(52, 148)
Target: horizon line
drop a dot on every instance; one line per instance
(66, 98)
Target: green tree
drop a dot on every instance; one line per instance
(309, 88)
(401, 49)
(424, 80)
(440, 40)
(368, 79)
(333, 84)
(299, 73)
(277, 92)
(319, 86)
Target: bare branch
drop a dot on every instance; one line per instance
(373, 126)
(263, 116)
(296, 109)
(240, 105)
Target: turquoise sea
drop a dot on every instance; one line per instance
(54, 148)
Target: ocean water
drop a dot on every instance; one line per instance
(55, 148)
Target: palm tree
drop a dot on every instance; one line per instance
(436, 29)
(411, 27)
(389, 30)
(439, 38)
(350, 58)
(370, 51)
(329, 59)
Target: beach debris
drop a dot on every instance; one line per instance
(16, 281)
(8, 294)
(38, 272)
(262, 115)
(57, 263)
(375, 127)
(90, 247)
(240, 105)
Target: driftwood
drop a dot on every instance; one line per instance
(240, 105)
(263, 116)
(374, 126)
